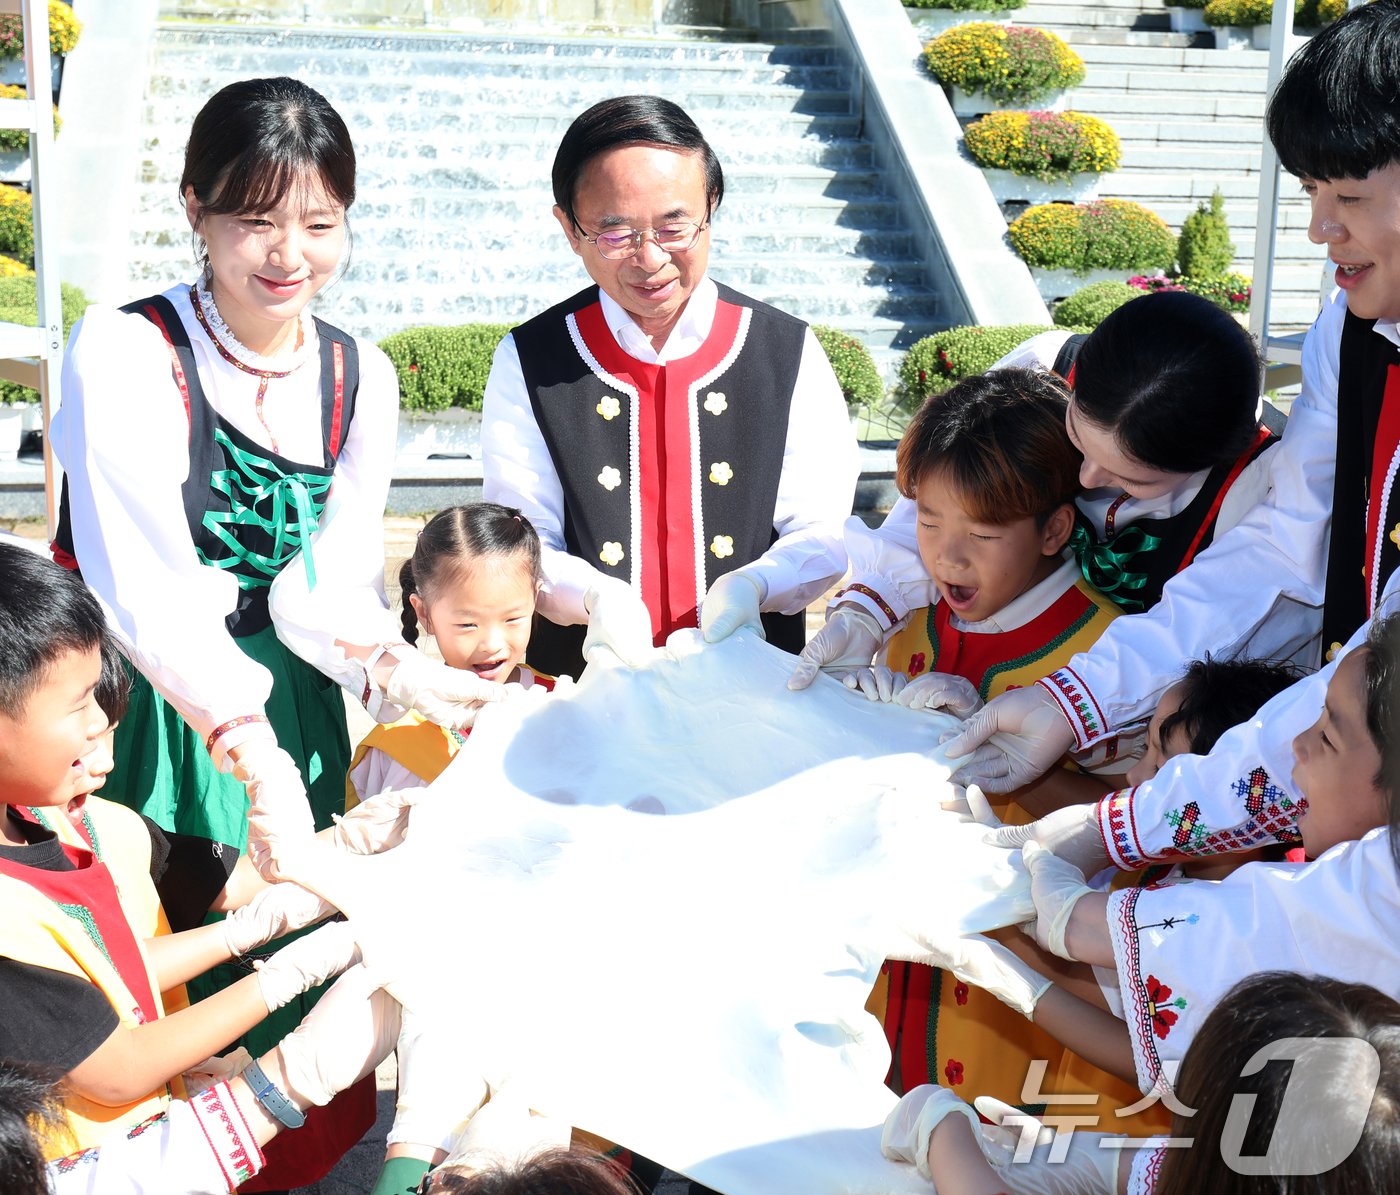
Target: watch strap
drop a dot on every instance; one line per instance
(273, 1099)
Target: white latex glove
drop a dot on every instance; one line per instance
(218, 1069)
(349, 1032)
(442, 694)
(279, 815)
(849, 641)
(437, 1091)
(376, 824)
(301, 965)
(1051, 1163)
(911, 1122)
(1072, 833)
(941, 691)
(1010, 741)
(618, 620)
(273, 912)
(989, 965)
(732, 602)
(971, 805)
(877, 682)
(1056, 887)
(502, 1134)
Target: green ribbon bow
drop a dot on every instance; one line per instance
(285, 505)
(1106, 565)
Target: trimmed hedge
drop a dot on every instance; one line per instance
(934, 363)
(1108, 234)
(1089, 305)
(442, 367)
(854, 367)
(1204, 249)
(1011, 64)
(19, 304)
(1043, 145)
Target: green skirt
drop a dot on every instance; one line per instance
(163, 770)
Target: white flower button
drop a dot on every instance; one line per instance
(609, 478)
(611, 553)
(722, 546)
(608, 407)
(715, 402)
(721, 473)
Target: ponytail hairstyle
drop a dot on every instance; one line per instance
(454, 540)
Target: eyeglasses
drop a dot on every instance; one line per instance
(617, 244)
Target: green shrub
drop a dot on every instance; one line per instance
(1043, 145)
(969, 5)
(854, 367)
(19, 304)
(1011, 64)
(19, 138)
(16, 224)
(1108, 234)
(1188, 3)
(1329, 10)
(441, 367)
(1204, 248)
(1088, 306)
(932, 364)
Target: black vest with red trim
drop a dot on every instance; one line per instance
(237, 510)
(669, 472)
(1364, 546)
(1131, 566)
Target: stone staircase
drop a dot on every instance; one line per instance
(1190, 120)
(455, 135)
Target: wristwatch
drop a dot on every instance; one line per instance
(273, 1099)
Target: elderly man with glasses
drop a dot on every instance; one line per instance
(682, 449)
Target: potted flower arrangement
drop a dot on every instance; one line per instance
(14, 143)
(64, 29)
(1241, 24)
(988, 66)
(931, 17)
(1070, 245)
(1037, 157)
(1186, 16)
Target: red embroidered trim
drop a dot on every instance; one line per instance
(1082, 712)
(179, 370)
(1235, 470)
(231, 724)
(866, 591)
(231, 1141)
(1118, 829)
(338, 365)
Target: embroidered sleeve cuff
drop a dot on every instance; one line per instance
(1147, 1165)
(1080, 708)
(1137, 1006)
(1118, 829)
(228, 1133)
(234, 732)
(870, 596)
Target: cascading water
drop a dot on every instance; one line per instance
(455, 135)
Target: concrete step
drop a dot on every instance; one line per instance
(1169, 82)
(455, 48)
(1109, 35)
(1156, 157)
(1114, 103)
(1093, 16)
(1210, 61)
(1218, 133)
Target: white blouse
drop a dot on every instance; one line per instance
(122, 438)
